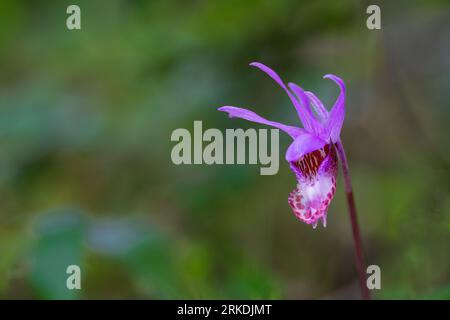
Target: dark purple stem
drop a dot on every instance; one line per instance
(360, 264)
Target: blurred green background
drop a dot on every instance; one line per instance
(86, 176)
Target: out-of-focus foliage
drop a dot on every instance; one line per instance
(85, 170)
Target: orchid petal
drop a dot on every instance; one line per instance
(337, 113)
(303, 144)
(308, 122)
(248, 115)
(301, 95)
(320, 129)
(318, 106)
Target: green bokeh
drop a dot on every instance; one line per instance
(86, 176)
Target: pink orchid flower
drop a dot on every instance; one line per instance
(312, 155)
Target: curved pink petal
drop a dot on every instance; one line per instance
(316, 184)
(308, 122)
(294, 132)
(301, 95)
(337, 113)
(303, 144)
(318, 106)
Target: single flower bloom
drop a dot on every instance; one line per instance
(312, 155)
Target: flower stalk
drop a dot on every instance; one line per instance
(359, 254)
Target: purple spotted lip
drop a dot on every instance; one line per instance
(312, 155)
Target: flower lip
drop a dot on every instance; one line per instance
(302, 145)
(316, 175)
(308, 165)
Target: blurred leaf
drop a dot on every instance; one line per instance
(144, 251)
(58, 244)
